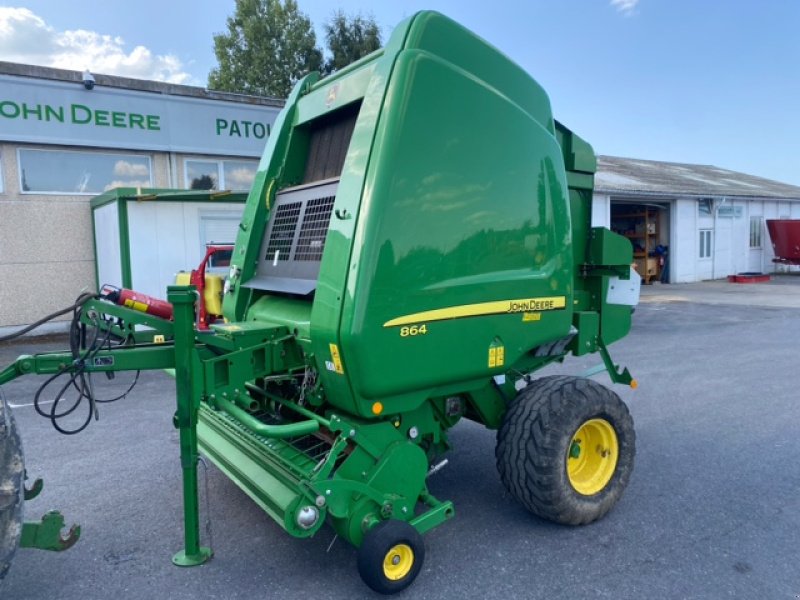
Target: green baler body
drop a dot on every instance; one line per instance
(459, 228)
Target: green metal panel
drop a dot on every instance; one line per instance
(453, 228)
(439, 36)
(588, 325)
(124, 244)
(166, 195)
(94, 249)
(607, 248)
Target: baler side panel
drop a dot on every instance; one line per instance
(449, 226)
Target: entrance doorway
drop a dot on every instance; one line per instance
(646, 225)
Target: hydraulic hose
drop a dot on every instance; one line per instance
(82, 299)
(84, 346)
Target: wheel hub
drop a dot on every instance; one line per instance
(592, 456)
(398, 562)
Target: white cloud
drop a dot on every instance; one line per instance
(626, 7)
(123, 168)
(240, 179)
(27, 38)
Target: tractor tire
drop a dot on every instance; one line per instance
(12, 487)
(565, 449)
(391, 556)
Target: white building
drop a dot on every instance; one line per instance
(710, 221)
(62, 142)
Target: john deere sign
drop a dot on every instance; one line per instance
(80, 114)
(55, 112)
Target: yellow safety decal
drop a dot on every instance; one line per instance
(268, 195)
(497, 356)
(158, 339)
(523, 305)
(337, 359)
(531, 316)
(140, 306)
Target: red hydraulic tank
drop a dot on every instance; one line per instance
(785, 236)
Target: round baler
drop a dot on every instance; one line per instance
(416, 245)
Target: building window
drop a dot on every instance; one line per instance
(69, 172)
(704, 206)
(755, 232)
(220, 174)
(705, 243)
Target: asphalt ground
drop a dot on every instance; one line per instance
(712, 510)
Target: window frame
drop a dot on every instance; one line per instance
(22, 191)
(756, 233)
(708, 245)
(220, 170)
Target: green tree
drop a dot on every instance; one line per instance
(269, 45)
(349, 38)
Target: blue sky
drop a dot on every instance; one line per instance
(704, 81)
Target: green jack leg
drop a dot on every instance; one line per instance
(183, 299)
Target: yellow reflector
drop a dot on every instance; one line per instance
(377, 408)
(634, 384)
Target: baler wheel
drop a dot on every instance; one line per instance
(391, 556)
(566, 449)
(12, 487)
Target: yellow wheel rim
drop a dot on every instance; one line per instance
(398, 562)
(592, 457)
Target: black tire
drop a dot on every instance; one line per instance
(394, 542)
(538, 439)
(12, 487)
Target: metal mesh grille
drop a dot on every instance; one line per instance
(295, 239)
(283, 228)
(311, 242)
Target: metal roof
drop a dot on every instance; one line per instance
(631, 176)
(128, 83)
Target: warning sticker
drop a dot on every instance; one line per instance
(497, 356)
(336, 359)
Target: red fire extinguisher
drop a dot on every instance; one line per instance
(137, 301)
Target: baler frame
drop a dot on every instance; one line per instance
(223, 416)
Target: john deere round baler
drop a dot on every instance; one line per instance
(417, 243)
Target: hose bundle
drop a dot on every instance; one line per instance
(85, 342)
